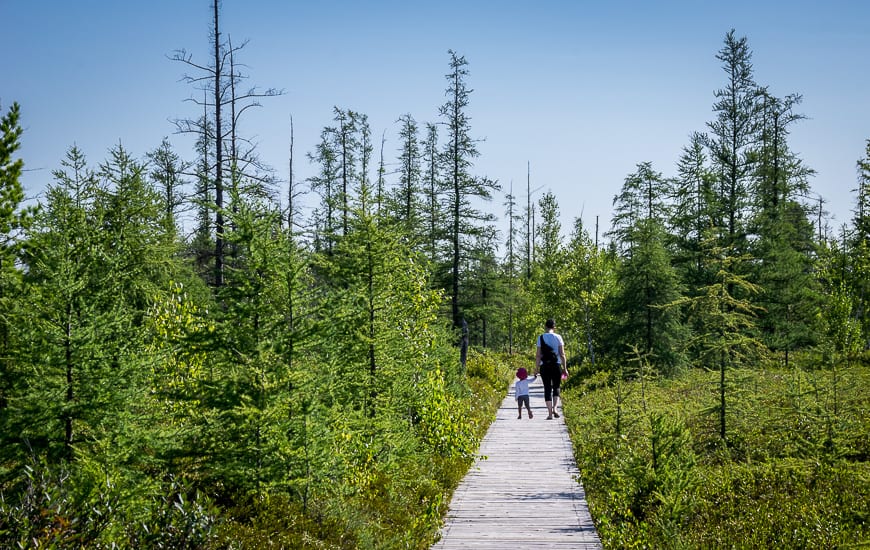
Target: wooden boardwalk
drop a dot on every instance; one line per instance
(524, 491)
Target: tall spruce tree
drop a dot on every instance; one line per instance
(407, 207)
(784, 243)
(733, 139)
(15, 219)
(461, 187)
(647, 285)
(96, 255)
(433, 207)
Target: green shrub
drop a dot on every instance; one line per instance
(785, 504)
(175, 521)
(793, 472)
(51, 508)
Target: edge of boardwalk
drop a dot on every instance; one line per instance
(523, 490)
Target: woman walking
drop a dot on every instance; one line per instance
(551, 363)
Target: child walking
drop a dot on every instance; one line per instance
(521, 390)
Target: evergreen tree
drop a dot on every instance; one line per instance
(344, 155)
(589, 282)
(251, 395)
(549, 232)
(166, 174)
(726, 330)
(859, 246)
(484, 294)
(511, 266)
(791, 298)
(779, 176)
(346, 145)
(840, 331)
(785, 244)
(643, 197)
(407, 192)
(15, 219)
(733, 139)
(647, 285)
(433, 207)
(549, 265)
(325, 183)
(694, 212)
(378, 329)
(861, 219)
(96, 255)
(462, 189)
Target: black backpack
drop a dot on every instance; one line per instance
(548, 354)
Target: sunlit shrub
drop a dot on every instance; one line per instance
(790, 474)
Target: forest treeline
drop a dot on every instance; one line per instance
(188, 360)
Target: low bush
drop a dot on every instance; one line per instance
(791, 473)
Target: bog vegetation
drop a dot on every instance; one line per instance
(189, 360)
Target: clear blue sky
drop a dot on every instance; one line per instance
(582, 91)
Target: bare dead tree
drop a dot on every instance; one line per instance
(219, 78)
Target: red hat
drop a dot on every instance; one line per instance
(522, 374)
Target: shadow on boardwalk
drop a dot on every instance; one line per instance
(524, 491)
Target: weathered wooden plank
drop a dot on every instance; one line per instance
(524, 490)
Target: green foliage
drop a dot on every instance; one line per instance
(174, 520)
(462, 190)
(63, 507)
(313, 398)
(444, 427)
(647, 286)
(587, 284)
(791, 295)
(53, 509)
(14, 219)
(795, 475)
(785, 504)
(725, 332)
(13, 215)
(493, 369)
(88, 290)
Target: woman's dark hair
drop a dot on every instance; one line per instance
(550, 323)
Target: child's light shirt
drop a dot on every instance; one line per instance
(521, 387)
